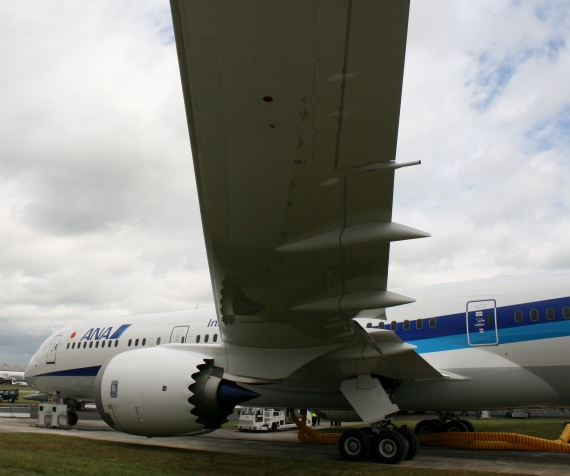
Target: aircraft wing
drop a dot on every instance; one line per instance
(293, 110)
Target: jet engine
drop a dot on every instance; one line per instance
(165, 392)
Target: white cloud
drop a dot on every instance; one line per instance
(485, 107)
(98, 207)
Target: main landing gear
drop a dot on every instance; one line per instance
(447, 422)
(382, 441)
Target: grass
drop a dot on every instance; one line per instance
(23, 454)
(548, 428)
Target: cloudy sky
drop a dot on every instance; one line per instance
(98, 206)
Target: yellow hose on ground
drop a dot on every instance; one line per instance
(468, 440)
(308, 435)
(498, 441)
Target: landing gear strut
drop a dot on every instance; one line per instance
(382, 441)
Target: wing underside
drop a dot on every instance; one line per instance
(293, 110)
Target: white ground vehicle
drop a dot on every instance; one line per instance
(267, 419)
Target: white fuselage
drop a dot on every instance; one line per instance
(517, 357)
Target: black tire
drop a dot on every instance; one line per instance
(413, 442)
(73, 418)
(354, 445)
(453, 426)
(11, 400)
(390, 447)
(274, 427)
(469, 425)
(426, 427)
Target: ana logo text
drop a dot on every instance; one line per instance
(105, 333)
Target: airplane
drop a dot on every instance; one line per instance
(20, 383)
(6, 376)
(293, 115)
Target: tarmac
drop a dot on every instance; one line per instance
(285, 443)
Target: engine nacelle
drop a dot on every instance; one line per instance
(165, 392)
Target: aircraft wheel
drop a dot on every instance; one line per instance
(426, 427)
(454, 426)
(469, 425)
(73, 418)
(354, 445)
(413, 442)
(390, 447)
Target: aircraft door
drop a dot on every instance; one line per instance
(482, 323)
(53, 350)
(179, 335)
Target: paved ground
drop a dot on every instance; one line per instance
(285, 444)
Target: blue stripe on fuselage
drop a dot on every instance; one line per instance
(82, 372)
(450, 331)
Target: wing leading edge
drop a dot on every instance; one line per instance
(293, 110)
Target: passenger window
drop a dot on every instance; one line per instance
(96, 344)
(393, 325)
(491, 319)
(158, 341)
(380, 325)
(197, 339)
(144, 341)
(67, 346)
(130, 342)
(73, 346)
(84, 344)
(116, 343)
(136, 342)
(566, 312)
(534, 315)
(369, 325)
(518, 316)
(406, 325)
(102, 343)
(550, 314)
(215, 337)
(90, 344)
(419, 324)
(432, 322)
(206, 338)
